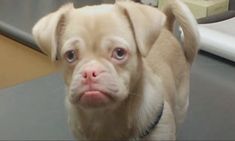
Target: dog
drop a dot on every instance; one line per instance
(126, 74)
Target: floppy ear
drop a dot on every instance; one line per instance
(47, 30)
(146, 23)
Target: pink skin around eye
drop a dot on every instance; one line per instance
(122, 60)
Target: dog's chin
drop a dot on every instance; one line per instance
(92, 99)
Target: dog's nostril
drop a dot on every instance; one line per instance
(85, 75)
(91, 74)
(94, 74)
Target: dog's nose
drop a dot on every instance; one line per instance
(90, 74)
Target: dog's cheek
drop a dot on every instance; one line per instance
(134, 67)
(68, 72)
(124, 77)
(127, 84)
(129, 73)
(121, 77)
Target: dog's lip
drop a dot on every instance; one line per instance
(77, 97)
(89, 92)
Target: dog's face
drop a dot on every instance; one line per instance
(101, 49)
(100, 57)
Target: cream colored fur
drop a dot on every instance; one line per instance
(156, 70)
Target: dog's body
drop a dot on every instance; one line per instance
(127, 76)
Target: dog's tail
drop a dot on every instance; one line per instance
(179, 12)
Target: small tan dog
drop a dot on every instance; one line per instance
(127, 76)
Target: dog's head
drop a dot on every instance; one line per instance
(100, 47)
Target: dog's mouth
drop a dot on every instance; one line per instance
(91, 98)
(94, 97)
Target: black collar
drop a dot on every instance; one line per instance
(153, 124)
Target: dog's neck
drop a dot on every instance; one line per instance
(128, 119)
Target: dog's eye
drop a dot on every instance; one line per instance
(71, 56)
(119, 53)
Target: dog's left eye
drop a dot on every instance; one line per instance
(71, 56)
(119, 53)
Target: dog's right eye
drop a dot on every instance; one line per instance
(71, 56)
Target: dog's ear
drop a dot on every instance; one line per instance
(146, 23)
(47, 31)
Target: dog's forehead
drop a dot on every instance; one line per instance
(94, 18)
(96, 9)
(92, 23)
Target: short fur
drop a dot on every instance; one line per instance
(156, 70)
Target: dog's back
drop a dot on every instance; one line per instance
(172, 60)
